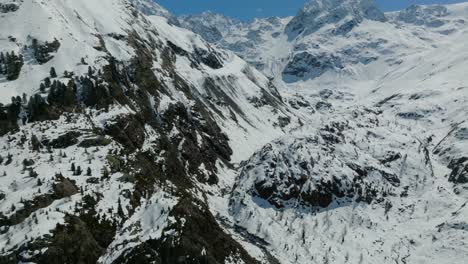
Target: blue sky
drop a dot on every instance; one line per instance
(246, 9)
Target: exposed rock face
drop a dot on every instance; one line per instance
(315, 171)
(431, 16)
(318, 13)
(64, 141)
(305, 65)
(459, 168)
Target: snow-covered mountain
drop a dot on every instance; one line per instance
(339, 135)
(113, 121)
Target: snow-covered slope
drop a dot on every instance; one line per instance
(378, 172)
(112, 120)
(128, 139)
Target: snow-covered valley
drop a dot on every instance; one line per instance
(130, 135)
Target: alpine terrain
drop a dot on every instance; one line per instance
(131, 135)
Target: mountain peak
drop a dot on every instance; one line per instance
(317, 13)
(210, 25)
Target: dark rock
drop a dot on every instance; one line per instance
(309, 66)
(388, 99)
(410, 115)
(115, 163)
(321, 198)
(128, 131)
(323, 106)
(92, 180)
(459, 167)
(390, 157)
(209, 58)
(65, 188)
(73, 242)
(9, 117)
(65, 141)
(284, 121)
(99, 141)
(198, 232)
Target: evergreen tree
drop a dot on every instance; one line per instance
(53, 73)
(42, 88)
(47, 82)
(78, 171)
(36, 144)
(32, 173)
(9, 159)
(105, 173)
(88, 172)
(120, 211)
(25, 99)
(12, 65)
(36, 106)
